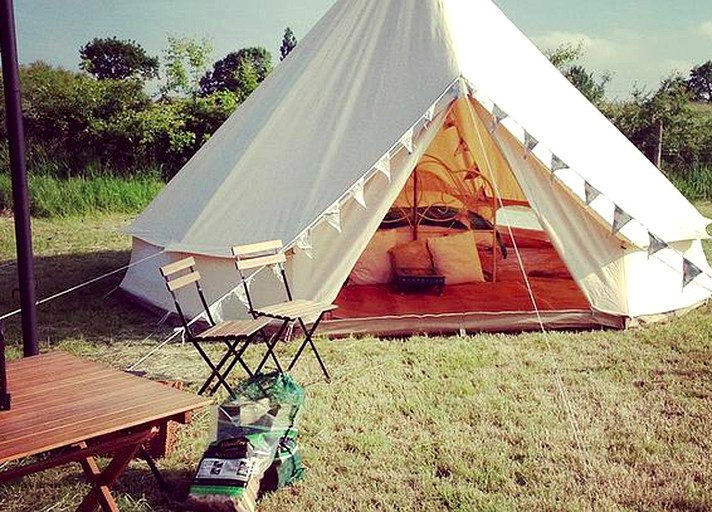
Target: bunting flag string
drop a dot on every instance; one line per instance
(304, 243)
(529, 143)
(557, 164)
(277, 271)
(358, 191)
(407, 141)
(620, 219)
(242, 295)
(689, 272)
(333, 217)
(462, 147)
(384, 167)
(430, 113)
(591, 192)
(656, 244)
(470, 88)
(499, 116)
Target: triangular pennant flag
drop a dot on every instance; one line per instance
(277, 271)
(557, 164)
(591, 192)
(304, 243)
(470, 88)
(358, 192)
(430, 113)
(499, 115)
(689, 272)
(529, 143)
(462, 147)
(384, 167)
(656, 244)
(242, 295)
(620, 219)
(333, 217)
(407, 141)
(455, 89)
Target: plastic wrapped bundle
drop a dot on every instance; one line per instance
(256, 434)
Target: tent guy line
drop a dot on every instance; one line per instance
(81, 285)
(560, 386)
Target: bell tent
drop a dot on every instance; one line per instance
(429, 170)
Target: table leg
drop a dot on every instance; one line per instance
(101, 481)
(92, 472)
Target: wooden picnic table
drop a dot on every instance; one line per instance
(73, 410)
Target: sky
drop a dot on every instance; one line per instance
(638, 41)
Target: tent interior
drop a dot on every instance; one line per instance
(461, 216)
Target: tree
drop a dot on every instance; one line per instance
(564, 57)
(225, 75)
(700, 82)
(111, 58)
(663, 125)
(73, 120)
(185, 61)
(594, 89)
(247, 80)
(289, 42)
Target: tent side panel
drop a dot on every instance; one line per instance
(655, 283)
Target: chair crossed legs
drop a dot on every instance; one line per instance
(235, 334)
(289, 312)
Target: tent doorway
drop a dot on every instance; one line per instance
(460, 247)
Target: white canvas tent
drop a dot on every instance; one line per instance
(322, 150)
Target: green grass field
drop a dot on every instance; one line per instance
(600, 420)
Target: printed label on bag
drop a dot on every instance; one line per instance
(225, 470)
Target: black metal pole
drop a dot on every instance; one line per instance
(20, 198)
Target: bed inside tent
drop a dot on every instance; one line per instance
(460, 248)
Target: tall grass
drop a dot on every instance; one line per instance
(51, 196)
(695, 184)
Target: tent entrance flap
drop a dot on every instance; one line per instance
(459, 216)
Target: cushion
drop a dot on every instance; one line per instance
(456, 258)
(374, 264)
(411, 255)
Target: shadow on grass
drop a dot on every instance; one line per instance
(98, 312)
(137, 488)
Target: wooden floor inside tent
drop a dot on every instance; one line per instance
(552, 286)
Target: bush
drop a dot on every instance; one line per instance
(695, 184)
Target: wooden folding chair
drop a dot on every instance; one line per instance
(235, 334)
(289, 312)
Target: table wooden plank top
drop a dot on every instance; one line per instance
(59, 399)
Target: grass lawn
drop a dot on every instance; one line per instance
(600, 420)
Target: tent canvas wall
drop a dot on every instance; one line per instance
(322, 150)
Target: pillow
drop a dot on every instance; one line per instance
(374, 264)
(456, 258)
(411, 255)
